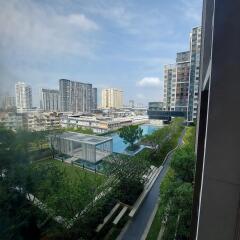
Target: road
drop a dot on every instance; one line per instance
(136, 226)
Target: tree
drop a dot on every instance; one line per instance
(17, 215)
(177, 191)
(130, 134)
(183, 163)
(129, 172)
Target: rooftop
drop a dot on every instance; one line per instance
(84, 138)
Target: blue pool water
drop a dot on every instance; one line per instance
(120, 147)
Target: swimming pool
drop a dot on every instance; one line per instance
(120, 147)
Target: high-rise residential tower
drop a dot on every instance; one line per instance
(23, 94)
(49, 100)
(193, 93)
(169, 86)
(182, 81)
(94, 98)
(176, 80)
(112, 98)
(75, 96)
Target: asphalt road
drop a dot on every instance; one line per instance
(138, 223)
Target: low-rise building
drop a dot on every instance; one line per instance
(31, 121)
(100, 124)
(12, 120)
(41, 121)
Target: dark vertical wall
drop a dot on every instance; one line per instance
(219, 198)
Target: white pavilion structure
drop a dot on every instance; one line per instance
(78, 146)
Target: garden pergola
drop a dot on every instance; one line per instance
(80, 146)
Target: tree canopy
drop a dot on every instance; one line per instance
(130, 134)
(176, 191)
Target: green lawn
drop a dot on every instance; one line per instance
(72, 171)
(65, 188)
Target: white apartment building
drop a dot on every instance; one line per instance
(112, 98)
(23, 94)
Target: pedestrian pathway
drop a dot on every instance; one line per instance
(135, 228)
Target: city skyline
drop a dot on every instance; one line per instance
(135, 42)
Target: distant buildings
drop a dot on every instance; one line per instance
(131, 103)
(176, 80)
(12, 120)
(94, 99)
(49, 100)
(75, 96)
(23, 94)
(193, 93)
(101, 124)
(31, 121)
(8, 103)
(169, 86)
(112, 98)
(155, 106)
(181, 82)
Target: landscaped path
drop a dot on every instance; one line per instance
(135, 228)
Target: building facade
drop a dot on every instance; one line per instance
(155, 106)
(49, 100)
(112, 98)
(12, 120)
(94, 99)
(193, 93)
(169, 86)
(23, 94)
(176, 81)
(216, 211)
(8, 103)
(182, 82)
(75, 96)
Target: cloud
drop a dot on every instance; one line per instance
(82, 21)
(149, 82)
(28, 27)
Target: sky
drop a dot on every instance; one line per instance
(109, 43)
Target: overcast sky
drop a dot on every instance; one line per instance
(109, 43)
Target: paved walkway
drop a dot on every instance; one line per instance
(135, 228)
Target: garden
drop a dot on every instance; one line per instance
(173, 216)
(81, 197)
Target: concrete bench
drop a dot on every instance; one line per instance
(108, 217)
(120, 215)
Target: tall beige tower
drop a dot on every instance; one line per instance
(112, 98)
